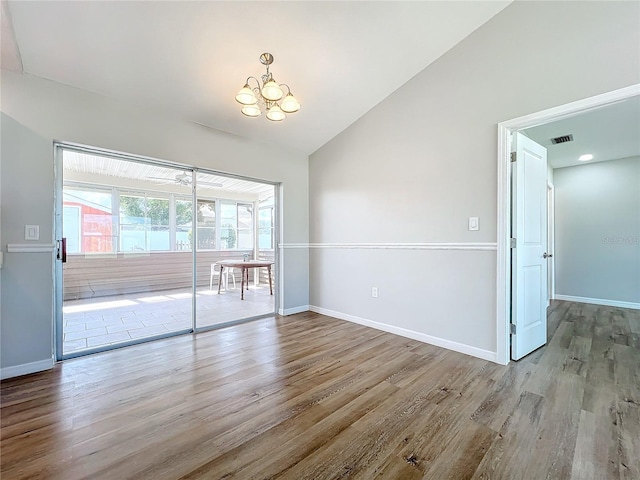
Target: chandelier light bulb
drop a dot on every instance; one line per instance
(272, 91)
(246, 96)
(251, 110)
(290, 104)
(275, 114)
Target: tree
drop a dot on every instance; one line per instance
(183, 212)
(132, 207)
(158, 211)
(228, 235)
(154, 211)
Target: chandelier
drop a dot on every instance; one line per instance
(267, 96)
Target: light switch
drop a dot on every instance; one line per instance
(32, 232)
(474, 223)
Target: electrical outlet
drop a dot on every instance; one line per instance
(374, 292)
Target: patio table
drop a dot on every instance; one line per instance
(244, 268)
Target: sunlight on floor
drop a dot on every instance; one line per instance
(89, 307)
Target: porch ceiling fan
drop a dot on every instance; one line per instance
(183, 179)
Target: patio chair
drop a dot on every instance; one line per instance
(215, 272)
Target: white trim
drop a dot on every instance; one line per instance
(503, 258)
(294, 310)
(26, 368)
(551, 240)
(403, 332)
(30, 247)
(505, 129)
(396, 246)
(599, 301)
(572, 109)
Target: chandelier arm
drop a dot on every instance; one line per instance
(288, 89)
(257, 81)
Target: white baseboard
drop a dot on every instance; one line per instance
(291, 311)
(598, 301)
(403, 332)
(26, 368)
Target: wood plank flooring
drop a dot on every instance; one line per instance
(312, 397)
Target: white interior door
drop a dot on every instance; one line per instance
(529, 257)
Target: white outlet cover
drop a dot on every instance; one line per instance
(474, 223)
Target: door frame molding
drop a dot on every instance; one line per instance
(551, 240)
(503, 262)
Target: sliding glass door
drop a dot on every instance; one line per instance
(145, 250)
(232, 248)
(127, 271)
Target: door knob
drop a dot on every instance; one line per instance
(547, 255)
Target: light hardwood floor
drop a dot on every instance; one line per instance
(311, 397)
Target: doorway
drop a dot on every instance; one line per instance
(142, 243)
(505, 131)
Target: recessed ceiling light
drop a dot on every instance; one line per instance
(586, 157)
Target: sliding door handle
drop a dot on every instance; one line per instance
(62, 250)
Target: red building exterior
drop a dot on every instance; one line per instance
(96, 228)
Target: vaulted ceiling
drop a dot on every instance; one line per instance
(189, 59)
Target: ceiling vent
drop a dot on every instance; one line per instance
(562, 139)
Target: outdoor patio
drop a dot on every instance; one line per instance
(110, 320)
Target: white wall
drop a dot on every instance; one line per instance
(52, 111)
(415, 167)
(597, 248)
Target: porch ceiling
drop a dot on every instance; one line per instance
(86, 167)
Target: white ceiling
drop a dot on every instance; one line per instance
(10, 53)
(608, 133)
(190, 58)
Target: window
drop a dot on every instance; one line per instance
(265, 228)
(184, 214)
(144, 223)
(206, 225)
(236, 225)
(228, 224)
(245, 226)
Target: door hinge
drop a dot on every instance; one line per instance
(512, 328)
(513, 243)
(513, 156)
